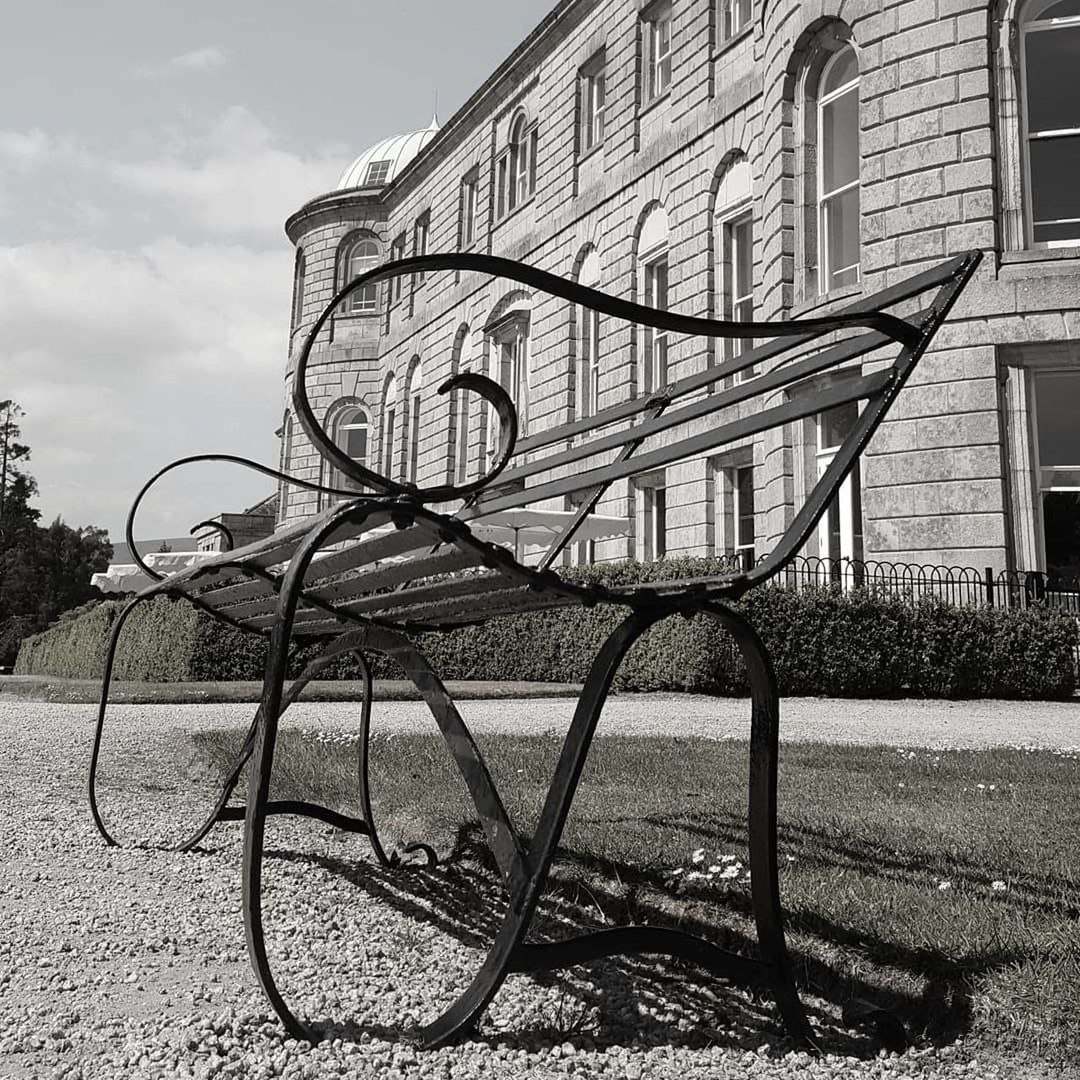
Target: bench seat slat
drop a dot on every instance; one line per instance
(781, 377)
(867, 386)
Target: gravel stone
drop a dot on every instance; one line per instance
(130, 962)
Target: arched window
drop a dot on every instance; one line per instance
(588, 342)
(389, 425)
(734, 240)
(298, 289)
(459, 434)
(350, 430)
(508, 334)
(517, 167)
(838, 171)
(286, 459)
(412, 422)
(1050, 80)
(357, 256)
(653, 290)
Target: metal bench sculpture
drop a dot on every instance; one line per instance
(327, 580)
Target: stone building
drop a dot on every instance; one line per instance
(735, 159)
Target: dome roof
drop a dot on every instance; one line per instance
(380, 164)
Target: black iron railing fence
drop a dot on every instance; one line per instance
(961, 585)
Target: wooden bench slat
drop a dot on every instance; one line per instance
(767, 383)
(798, 408)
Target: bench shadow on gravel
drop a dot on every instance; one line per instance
(693, 1008)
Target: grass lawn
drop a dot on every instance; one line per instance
(944, 886)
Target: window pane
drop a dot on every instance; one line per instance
(835, 425)
(744, 483)
(1061, 529)
(840, 141)
(842, 70)
(1053, 78)
(841, 227)
(1055, 166)
(356, 443)
(1065, 9)
(744, 257)
(1057, 405)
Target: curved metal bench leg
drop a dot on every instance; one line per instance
(523, 899)
(106, 682)
(764, 876)
(363, 762)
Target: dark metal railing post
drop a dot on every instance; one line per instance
(989, 579)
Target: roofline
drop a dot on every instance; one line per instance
(535, 36)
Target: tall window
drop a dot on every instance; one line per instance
(397, 252)
(1057, 472)
(593, 95)
(358, 256)
(517, 167)
(656, 29)
(286, 460)
(742, 515)
(390, 411)
(735, 254)
(838, 171)
(469, 204)
(510, 341)
(653, 286)
(656, 340)
(459, 438)
(350, 434)
(412, 424)
(840, 529)
(588, 344)
(652, 536)
(420, 239)
(735, 16)
(1050, 49)
(298, 288)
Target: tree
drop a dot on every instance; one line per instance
(43, 571)
(11, 451)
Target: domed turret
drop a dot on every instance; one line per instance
(380, 164)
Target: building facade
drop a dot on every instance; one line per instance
(734, 159)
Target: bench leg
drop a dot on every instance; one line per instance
(764, 876)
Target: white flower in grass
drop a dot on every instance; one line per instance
(695, 875)
(998, 886)
(715, 869)
(729, 858)
(943, 885)
(698, 856)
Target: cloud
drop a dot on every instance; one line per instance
(204, 59)
(127, 360)
(234, 179)
(231, 179)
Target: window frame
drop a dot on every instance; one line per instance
(726, 32)
(510, 351)
(469, 210)
(421, 238)
(655, 341)
(299, 283)
(656, 66)
(340, 414)
(825, 272)
(1029, 24)
(364, 302)
(391, 392)
(592, 77)
(588, 332)
(516, 167)
(377, 181)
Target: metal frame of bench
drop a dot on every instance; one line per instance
(365, 574)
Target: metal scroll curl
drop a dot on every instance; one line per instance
(232, 459)
(487, 388)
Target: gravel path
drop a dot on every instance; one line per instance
(131, 962)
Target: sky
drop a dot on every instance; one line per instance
(150, 152)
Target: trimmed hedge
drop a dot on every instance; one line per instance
(823, 641)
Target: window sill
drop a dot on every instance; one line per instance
(729, 44)
(826, 300)
(648, 106)
(1048, 254)
(517, 210)
(588, 155)
(358, 316)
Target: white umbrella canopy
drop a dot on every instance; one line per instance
(130, 578)
(527, 527)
